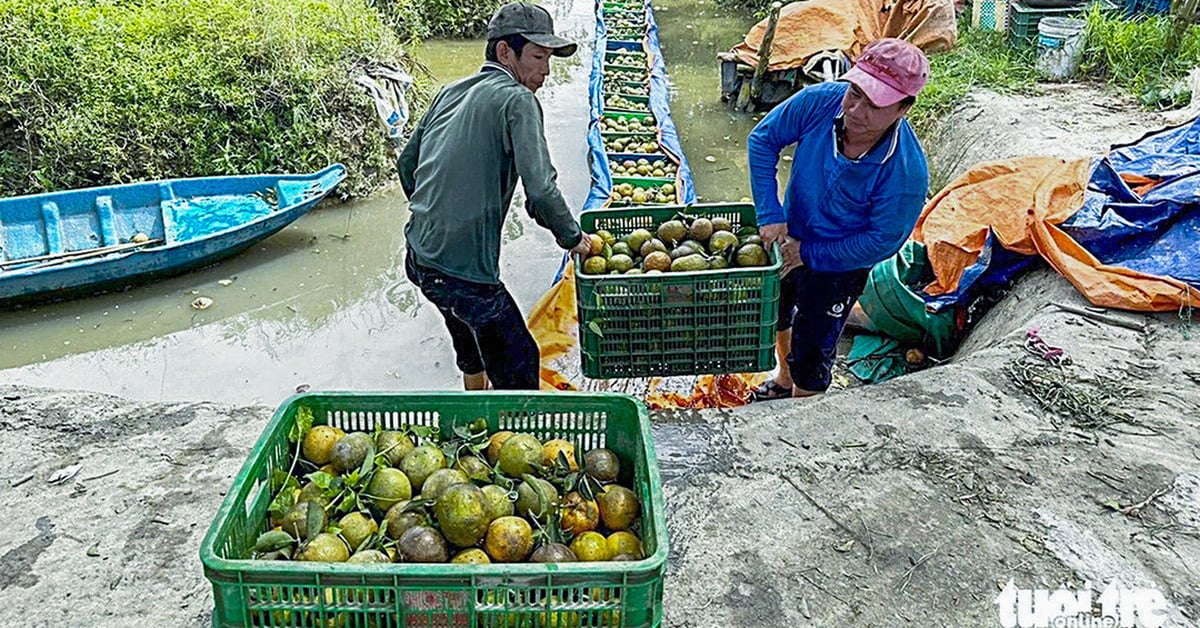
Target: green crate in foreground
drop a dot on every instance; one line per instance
(282, 593)
(684, 323)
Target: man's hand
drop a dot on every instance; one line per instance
(584, 247)
(790, 247)
(773, 233)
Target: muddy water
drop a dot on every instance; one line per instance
(325, 302)
(691, 33)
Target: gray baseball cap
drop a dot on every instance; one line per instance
(531, 21)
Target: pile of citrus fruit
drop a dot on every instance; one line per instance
(409, 496)
(682, 244)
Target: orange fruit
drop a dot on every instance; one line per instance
(578, 514)
(317, 446)
(625, 543)
(551, 448)
(473, 556)
(495, 442)
(597, 244)
(509, 540)
(591, 547)
(618, 507)
(602, 464)
(521, 454)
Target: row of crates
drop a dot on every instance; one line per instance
(678, 323)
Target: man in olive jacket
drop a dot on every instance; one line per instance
(459, 171)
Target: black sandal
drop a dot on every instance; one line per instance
(770, 391)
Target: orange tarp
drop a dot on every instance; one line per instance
(552, 319)
(710, 391)
(1022, 201)
(806, 28)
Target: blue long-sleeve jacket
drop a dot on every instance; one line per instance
(847, 213)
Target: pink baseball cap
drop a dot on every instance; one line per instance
(889, 70)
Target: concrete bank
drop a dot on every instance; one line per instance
(883, 505)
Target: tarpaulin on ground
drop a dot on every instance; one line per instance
(1123, 229)
(992, 202)
(668, 137)
(891, 300)
(807, 28)
(660, 106)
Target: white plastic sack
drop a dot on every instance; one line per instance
(387, 86)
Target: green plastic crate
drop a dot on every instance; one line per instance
(694, 323)
(626, 34)
(612, 56)
(626, 68)
(618, 88)
(639, 117)
(642, 101)
(611, 9)
(626, 72)
(282, 593)
(1023, 22)
(648, 137)
(624, 6)
(621, 87)
(644, 182)
(635, 179)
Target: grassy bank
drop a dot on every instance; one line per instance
(981, 59)
(1145, 57)
(113, 91)
(437, 18)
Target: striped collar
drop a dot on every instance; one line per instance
(492, 66)
(839, 126)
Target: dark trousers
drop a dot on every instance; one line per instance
(487, 329)
(815, 306)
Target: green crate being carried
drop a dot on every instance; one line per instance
(712, 310)
(255, 592)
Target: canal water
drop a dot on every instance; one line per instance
(325, 302)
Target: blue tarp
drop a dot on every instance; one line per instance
(597, 162)
(1156, 234)
(660, 106)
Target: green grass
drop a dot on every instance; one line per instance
(981, 59)
(108, 91)
(1145, 56)
(437, 18)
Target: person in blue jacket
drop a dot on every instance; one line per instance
(858, 183)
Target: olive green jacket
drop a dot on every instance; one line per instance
(460, 168)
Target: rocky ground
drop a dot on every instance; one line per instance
(913, 501)
(916, 500)
(1065, 120)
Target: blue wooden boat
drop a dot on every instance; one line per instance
(74, 242)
